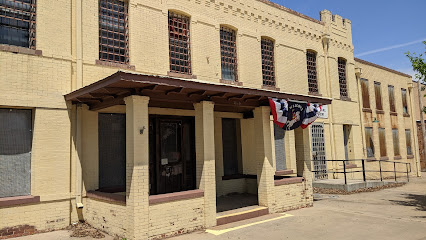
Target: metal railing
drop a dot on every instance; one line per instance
(363, 170)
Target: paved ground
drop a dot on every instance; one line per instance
(397, 213)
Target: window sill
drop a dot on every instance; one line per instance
(351, 165)
(273, 88)
(230, 82)
(287, 181)
(348, 99)
(397, 158)
(378, 111)
(315, 94)
(393, 114)
(22, 50)
(233, 176)
(12, 201)
(410, 156)
(384, 158)
(371, 159)
(109, 197)
(170, 197)
(115, 65)
(406, 115)
(367, 110)
(181, 75)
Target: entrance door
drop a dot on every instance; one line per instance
(173, 155)
(318, 151)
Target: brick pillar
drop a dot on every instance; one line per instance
(304, 161)
(265, 166)
(137, 162)
(205, 151)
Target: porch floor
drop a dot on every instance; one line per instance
(235, 201)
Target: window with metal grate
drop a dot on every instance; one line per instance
(18, 23)
(228, 52)
(179, 43)
(113, 31)
(365, 93)
(311, 62)
(342, 77)
(268, 62)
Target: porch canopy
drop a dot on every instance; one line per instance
(179, 93)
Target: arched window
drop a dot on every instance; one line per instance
(268, 62)
(311, 62)
(228, 53)
(342, 78)
(179, 43)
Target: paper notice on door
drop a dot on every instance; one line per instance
(164, 161)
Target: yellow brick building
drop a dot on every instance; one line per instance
(144, 117)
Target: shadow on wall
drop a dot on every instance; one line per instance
(413, 200)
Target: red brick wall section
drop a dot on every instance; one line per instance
(17, 231)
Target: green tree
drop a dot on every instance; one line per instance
(419, 66)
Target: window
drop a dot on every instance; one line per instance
(179, 44)
(18, 23)
(365, 93)
(280, 159)
(311, 62)
(342, 78)
(391, 98)
(404, 101)
(15, 152)
(395, 138)
(408, 141)
(268, 62)
(228, 52)
(369, 142)
(113, 31)
(382, 142)
(231, 141)
(378, 93)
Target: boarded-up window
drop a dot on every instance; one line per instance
(179, 43)
(112, 150)
(378, 94)
(15, 152)
(382, 142)
(365, 93)
(268, 62)
(395, 138)
(113, 31)
(228, 52)
(18, 23)
(404, 101)
(391, 98)
(369, 141)
(408, 141)
(311, 62)
(279, 135)
(342, 77)
(231, 149)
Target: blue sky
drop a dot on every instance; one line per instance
(388, 28)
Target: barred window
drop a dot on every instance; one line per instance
(408, 141)
(113, 31)
(365, 93)
(18, 23)
(382, 142)
(268, 68)
(228, 52)
(311, 62)
(404, 101)
(395, 138)
(179, 44)
(391, 98)
(378, 93)
(369, 141)
(342, 77)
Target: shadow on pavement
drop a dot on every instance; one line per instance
(413, 200)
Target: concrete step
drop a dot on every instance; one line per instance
(241, 214)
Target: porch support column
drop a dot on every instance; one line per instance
(137, 162)
(265, 165)
(205, 152)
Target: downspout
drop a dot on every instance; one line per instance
(325, 41)
(358, 72)
(78, 84)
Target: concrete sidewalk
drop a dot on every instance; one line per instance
(391, 214)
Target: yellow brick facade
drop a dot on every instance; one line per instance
(64, 162)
